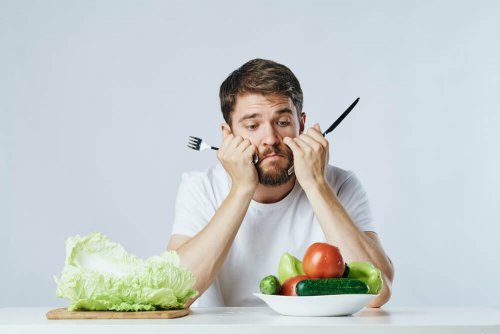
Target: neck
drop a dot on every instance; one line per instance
(272, 194)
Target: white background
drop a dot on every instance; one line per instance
(97, 99)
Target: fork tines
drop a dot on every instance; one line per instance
(194, 143)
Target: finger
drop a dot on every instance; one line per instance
(229, 147)
(317, 127)
(248, 147)
(227, 136)
(244, 144)
(303, 143)
(290, 142)
(249, 152)
(317, 144)
(317, 135)
(312, 143)
(237, 140)
(226, 142)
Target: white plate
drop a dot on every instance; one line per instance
(317, 306)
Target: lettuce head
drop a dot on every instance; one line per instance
(100, 275)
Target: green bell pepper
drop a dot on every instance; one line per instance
(368, 273)
(289, 267)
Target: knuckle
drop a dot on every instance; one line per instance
(317, 147)
(249, 149)
(227, 140)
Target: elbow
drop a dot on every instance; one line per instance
(382, 298)
(191, 301)
(386, 292)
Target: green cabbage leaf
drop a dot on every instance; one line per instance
(100, 275)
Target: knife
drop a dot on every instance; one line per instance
(333, 126)
(341, 118)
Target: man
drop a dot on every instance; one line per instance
(233, 222)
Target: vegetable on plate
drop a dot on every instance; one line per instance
(270, 285)
(323, 260)
(330, 286)
(289, 267)
(322, 271)
(368, 273)
(289, 287)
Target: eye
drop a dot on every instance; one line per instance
(284, 123)
(251, 127)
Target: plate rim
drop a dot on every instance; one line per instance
(294, 307)
(315, 297)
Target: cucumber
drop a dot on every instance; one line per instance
(270, 285)
(330, 286)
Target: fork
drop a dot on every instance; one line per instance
(200, 145)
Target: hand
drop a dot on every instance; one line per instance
(236, 155)
(310, 156)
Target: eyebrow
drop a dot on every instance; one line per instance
(256, 115)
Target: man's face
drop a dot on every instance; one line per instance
(265, 121)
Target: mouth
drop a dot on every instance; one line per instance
(272, 157)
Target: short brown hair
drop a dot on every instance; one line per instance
(259, 76)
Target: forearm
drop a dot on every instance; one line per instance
(338, 227)
(205, 253)
(340, 230)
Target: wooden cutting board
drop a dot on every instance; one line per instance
(64, 314)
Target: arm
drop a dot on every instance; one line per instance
(205, 253)
(340, 230)
(310, 159)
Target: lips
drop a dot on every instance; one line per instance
(271, 155)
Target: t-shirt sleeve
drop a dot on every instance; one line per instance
(193, 206)
(355, 200)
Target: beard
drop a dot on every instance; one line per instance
(275, 173)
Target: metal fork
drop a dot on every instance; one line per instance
(200, 145)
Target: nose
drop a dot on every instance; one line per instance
(270, 135)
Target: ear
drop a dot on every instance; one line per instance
(302, 124)
(226, 130)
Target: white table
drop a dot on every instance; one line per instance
(262, 320)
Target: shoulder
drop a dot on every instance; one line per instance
(210, 180)
(353, 197)
(197, 200)
(338, 177)
(213, 174)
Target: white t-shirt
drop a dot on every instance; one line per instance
(267, 231)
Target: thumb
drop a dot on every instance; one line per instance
(317, 127)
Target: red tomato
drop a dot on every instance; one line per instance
(288, 288)
(323, 260)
